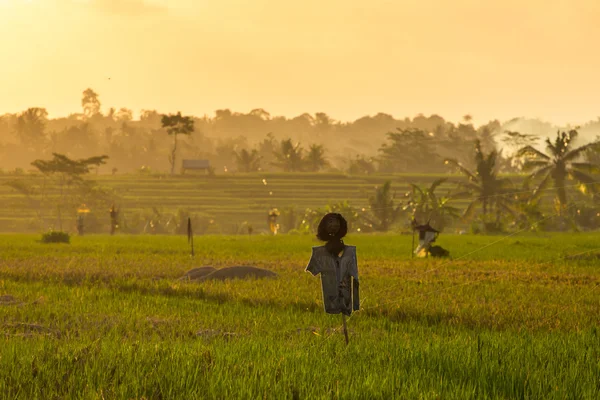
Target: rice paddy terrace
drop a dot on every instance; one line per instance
(228, 199)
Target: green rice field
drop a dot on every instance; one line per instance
(107, 318)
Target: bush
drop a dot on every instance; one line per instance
(56, 237)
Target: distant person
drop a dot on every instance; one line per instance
(336, 262)
(80, 224)
(272, 221)
(114, 216)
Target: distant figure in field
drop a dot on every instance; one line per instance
(336, 262)
(428, 236)
(272, 220)
(80, 225)
(114, 216)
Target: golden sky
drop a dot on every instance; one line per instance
(348, 58)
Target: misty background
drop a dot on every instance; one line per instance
(371, 144)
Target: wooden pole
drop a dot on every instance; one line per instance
(412, 249)
(345, 328)
(190, 235)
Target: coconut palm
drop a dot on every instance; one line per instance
(559, 165)
(383, 212)
(247, 161)
(315, 158)
(289, 157)
(488, 190)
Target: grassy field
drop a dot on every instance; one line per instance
(106, 317)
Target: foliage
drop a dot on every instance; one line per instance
(90, 103)
(68, 174)
(488, 190)
(289, 218)
(362, 165)
(133, 142)
(56, 237)
(559, 165)
(247, 161)
(30, 127)
(383, 210)
(315, 158)
(408, 148)
(67, 168)
(426, 206)
(350, 213)
(310, 220)
(176, 124)
(289, 157)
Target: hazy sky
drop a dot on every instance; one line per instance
(348, 58)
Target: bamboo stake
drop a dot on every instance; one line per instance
(345, 328)
(190, 235)
(412, 249)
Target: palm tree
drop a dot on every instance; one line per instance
(559, 165)
(289, 157)
(247, 161)
(426, 205)
(489, 190)
(315, 159)
(30, 126)
(383, 212)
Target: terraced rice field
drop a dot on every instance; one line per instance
(230, 200)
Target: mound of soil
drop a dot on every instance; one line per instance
(197, 273)
(585, 257)
(239, 272)
(7, 299)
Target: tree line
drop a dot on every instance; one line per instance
(493, 203)
(254, 141)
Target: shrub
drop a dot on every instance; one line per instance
(56, 237)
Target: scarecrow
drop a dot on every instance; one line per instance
(427, 236)
(336, 262)
(272, 220)
(114, 215)
(81, 211)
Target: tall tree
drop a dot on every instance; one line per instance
(490, 191)
(361, 165)
(266, 150)
(410, 150)
(30, 126)
(247, 161)
(90, 103)
(558, 165)
(315, 158)
(289, 157)
(176, 124)
(66, 173)
(383, 210)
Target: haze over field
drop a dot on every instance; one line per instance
(493, 59)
